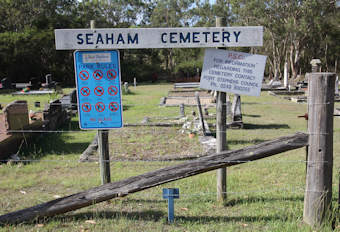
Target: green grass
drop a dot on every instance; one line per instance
(264, 195)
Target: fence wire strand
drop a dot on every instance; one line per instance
(121, 163)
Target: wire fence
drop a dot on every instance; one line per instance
(176, 143)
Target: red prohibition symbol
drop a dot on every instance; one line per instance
(111, 74)
(112, 90)
(100, 107)
(98, 74)
(99, 91)
(85, 91)
(84, 75)
(86, 107)
(113, 106)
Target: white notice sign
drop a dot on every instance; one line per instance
(96, 57)
(233, 72)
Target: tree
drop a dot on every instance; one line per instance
(293, 29)
(27, 38)
(171, 14)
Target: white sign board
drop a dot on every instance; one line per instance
(233, 72)
(181, 37)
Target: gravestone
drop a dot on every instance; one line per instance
(54, 115)
(48, 78)
(6, 83)
(181, 110)
(236, 109)
(274, 83)
(337, 85)
(285, 75)
(73, 96)
(126, 87)
(16, 115)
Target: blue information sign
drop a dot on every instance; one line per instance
(98, 89)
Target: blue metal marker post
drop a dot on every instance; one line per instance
(171, 194)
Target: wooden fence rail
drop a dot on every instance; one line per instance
(157, 177)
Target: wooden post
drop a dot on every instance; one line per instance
(154, 178)
(104, 156)
(318, 193)
(103, 144)
(221, 135)
(200, 113)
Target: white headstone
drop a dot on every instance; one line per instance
(337, 85)
(285, 75)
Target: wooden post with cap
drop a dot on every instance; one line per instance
(318, 193)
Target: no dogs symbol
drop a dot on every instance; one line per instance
(99, 91)
(86, 107)
(85, 91)
(100, 107)
(84, 75)
(111, 74)
(98, 74)
(112, 90)
(114, 106)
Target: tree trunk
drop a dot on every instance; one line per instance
(294, 58)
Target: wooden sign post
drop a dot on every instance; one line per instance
(103, 144)
(221, 134)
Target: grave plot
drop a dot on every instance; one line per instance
(188, 101)
(153, 143)
(34, 87)
(187, 97)
(188, 93)
(18, 124)
(15, 118)
(297, 91)
(295, 96)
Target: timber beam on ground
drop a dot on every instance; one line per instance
(154, 178)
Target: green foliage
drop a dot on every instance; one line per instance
(294, 32)
(189, 68)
